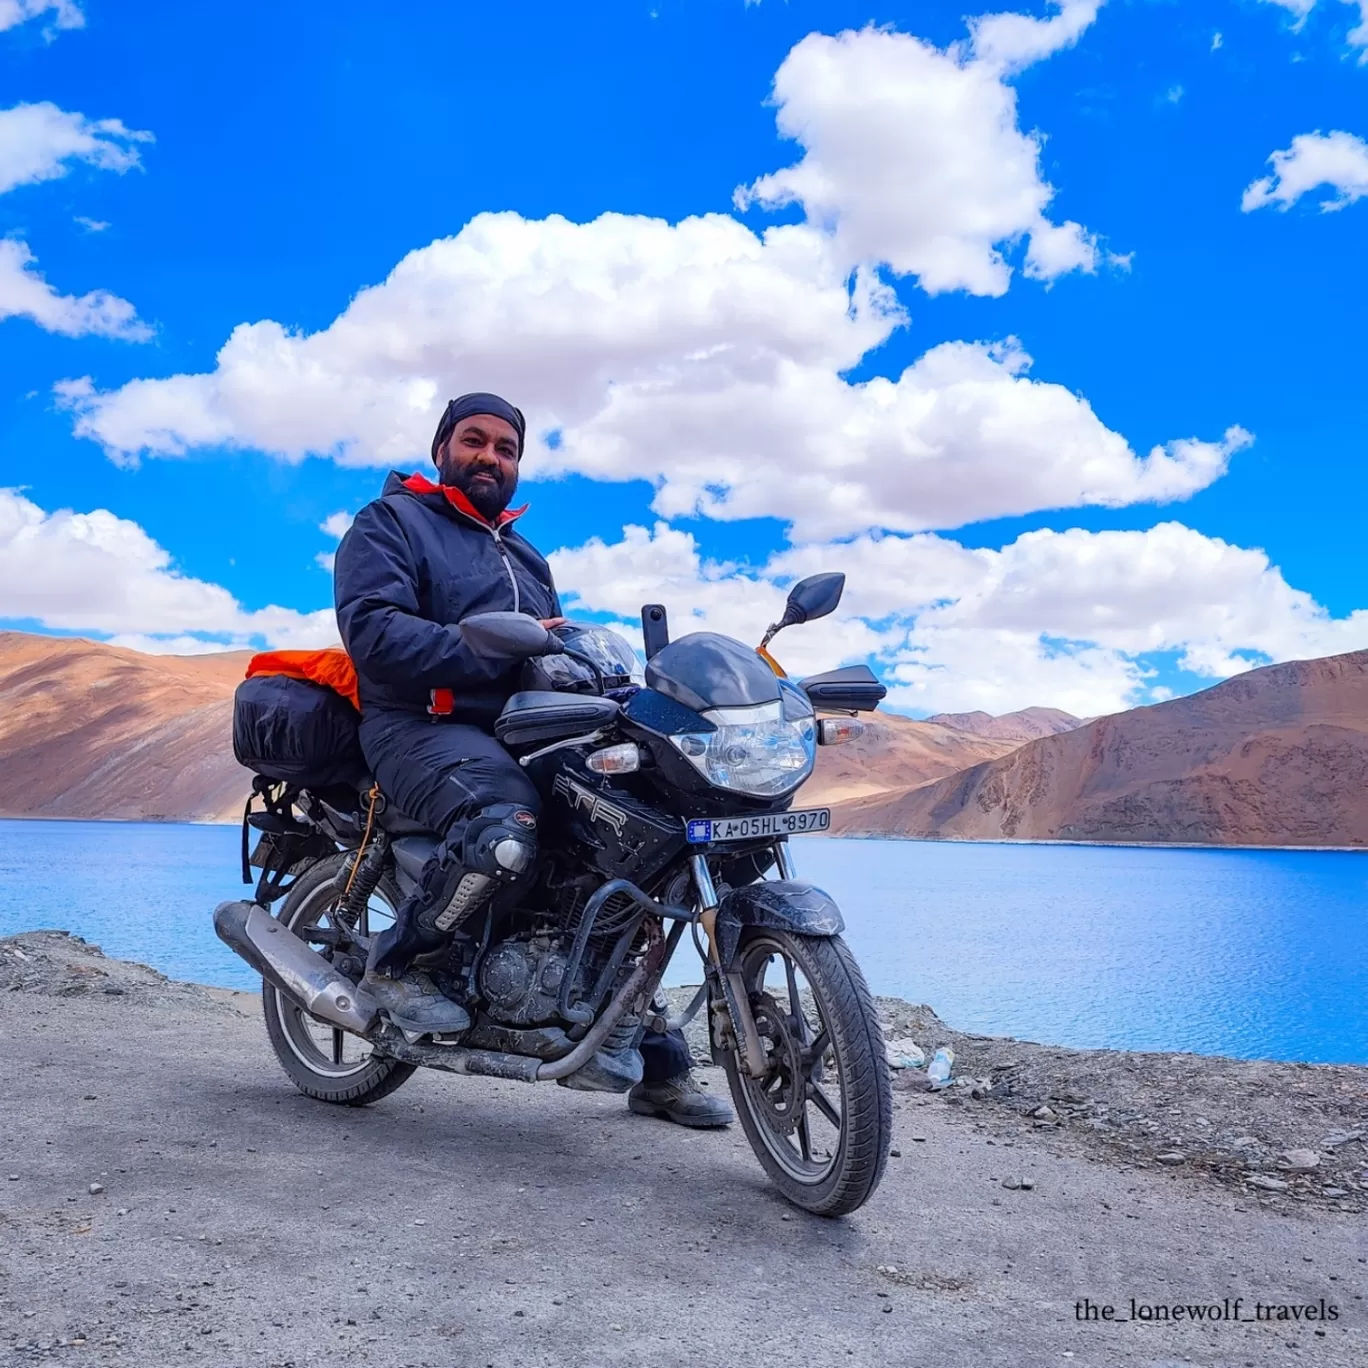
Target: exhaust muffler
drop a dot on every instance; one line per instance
(299, 972)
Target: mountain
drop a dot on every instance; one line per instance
(1277, 756)
(1026, 725)
(894, 754)
(95, 731)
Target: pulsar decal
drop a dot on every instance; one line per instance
(585, 800)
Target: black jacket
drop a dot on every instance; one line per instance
(414, 563)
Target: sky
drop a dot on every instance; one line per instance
(1044, 325)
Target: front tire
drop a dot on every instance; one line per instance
(322, 1061)
(821, 1119)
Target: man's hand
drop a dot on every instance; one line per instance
(549, 623)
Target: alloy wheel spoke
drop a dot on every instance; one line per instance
(796, 1017)
(822, 1102)
(813, 1055)
(804, 1137)
(337, 1041)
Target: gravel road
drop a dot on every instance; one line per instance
(166, 1197)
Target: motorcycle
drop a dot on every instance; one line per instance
(668, 807)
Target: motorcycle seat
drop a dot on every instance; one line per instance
(539, 716)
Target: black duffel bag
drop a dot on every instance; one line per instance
(301, 733)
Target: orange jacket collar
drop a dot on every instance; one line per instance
(420, 484)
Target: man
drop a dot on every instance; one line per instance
(415, 563)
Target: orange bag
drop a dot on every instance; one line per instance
(331, 667)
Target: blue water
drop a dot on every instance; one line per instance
(1258, 954)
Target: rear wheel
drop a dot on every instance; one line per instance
(820, 1120)
(322, 1061)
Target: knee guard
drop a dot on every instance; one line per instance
(499, 847)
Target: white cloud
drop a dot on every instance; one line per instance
(25, 294)
(65, 14)
(1011, 42)
(1338, 160)
(1356, 37)
(97, 572)
(699, 356)
(551, 312)
(962, 435)
(39, 142)
(1069, 619)
(912, 155)
(334, 525)
(1298, 8)
(91, 225)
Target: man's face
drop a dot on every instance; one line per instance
(480, 458)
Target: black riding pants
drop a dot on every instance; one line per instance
(442, 774)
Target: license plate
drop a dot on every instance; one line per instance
(702, 830)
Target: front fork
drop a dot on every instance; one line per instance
(731, 1016)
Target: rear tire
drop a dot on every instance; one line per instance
(821, 1121)
(313, 1052)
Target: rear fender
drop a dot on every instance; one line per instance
(775, 905)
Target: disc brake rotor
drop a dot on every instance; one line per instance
(782, 1092)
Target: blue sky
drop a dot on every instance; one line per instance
(829, 370)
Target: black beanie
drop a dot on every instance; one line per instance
(467, 406)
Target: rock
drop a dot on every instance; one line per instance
(1334, 1192)
(1244, 1142)
(96, 1188)
(1299, 1160)
(1265, 1183)
(911, 1080)
(1172, 1158)
(1027, 1184)
(14, 1177)
(1337, 1138)
(1043, 1113)
(1011, 1184)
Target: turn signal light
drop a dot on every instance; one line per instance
(623, 759)
(836, 731)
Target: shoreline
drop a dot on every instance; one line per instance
(827, 836)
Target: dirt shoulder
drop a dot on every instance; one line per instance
(167, 1198)
(1291, 1136)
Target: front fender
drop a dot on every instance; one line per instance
(777, 905)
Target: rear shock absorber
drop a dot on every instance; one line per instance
(363, 872)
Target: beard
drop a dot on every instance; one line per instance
(489, 497)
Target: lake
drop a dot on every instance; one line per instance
(1257, 954)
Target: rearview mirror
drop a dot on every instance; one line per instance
(810, 598)
(508, 636)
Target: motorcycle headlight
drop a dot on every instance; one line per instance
(754, 750)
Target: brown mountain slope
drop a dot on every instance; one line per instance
(1026, 725)
(1277, 756)
(89, 730)
(895, 754)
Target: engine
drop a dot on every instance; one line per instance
(520, 980)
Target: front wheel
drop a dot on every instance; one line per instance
(820, 1120)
